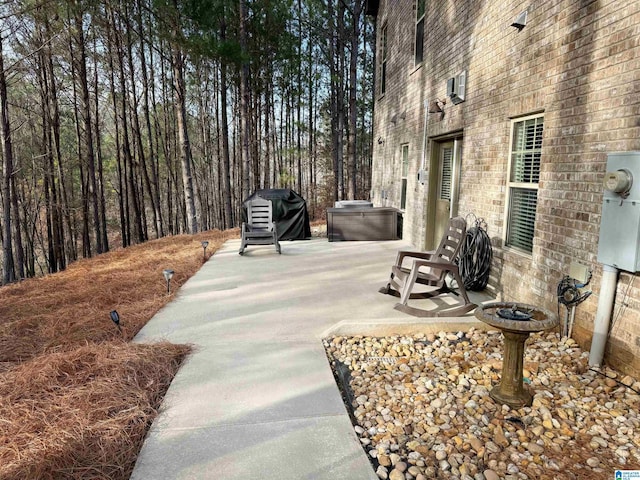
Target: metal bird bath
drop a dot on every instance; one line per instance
(516, 321)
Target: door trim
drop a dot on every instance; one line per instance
(434, 174)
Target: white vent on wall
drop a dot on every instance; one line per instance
(456, 87)
(451, 87)
(461, 86)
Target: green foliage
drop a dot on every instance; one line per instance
(286, 179)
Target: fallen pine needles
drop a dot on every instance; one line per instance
(76, 398)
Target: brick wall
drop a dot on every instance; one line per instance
(577, 62)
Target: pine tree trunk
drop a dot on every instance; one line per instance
(61, 208)
(100, 179)
(81, 71)
(131, 191)
(8, 271)
(183, 139)
(311, 195)
(17, 224)
(86, 239)
(50, 193)
(353, 112)
(244, 102)
(340, 50)
(121, 189)
(137, 132)
(333, 98)
(299, 91)
(153, 150)
(267, 128)
(226, 161)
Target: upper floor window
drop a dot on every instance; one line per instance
(524, 175)
(419, 47)
(383, 61)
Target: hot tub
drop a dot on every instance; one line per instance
(353, 204)
(363, 223)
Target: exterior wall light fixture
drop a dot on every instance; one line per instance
(437, 106)
(521, 21)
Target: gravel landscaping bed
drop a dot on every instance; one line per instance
(422, 409)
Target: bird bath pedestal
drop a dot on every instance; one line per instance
(516, 321)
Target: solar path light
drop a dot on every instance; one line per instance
(205, 244)
(168, 275)
(116, 319)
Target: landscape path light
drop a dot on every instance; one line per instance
(115, 317)
(168, 275)
(205, 244)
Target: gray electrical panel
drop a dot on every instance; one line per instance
(620, 224)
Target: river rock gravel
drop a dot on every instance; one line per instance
(422, 409)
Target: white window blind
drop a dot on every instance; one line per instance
(522, 201)
(525, 154)
(446, 173)
(419, 45)
(522, 217)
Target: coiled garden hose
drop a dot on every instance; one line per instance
(475, 257)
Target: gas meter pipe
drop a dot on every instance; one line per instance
(603, 314)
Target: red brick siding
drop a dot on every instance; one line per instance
(576, 61)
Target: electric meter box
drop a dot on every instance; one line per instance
(620, 222)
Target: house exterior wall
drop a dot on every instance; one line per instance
(577, 62)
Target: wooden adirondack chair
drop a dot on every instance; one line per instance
(259, 229)
(430, 269)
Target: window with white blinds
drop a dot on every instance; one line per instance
(524, 175)
(446, 173)
(525, 150)
(522, 217)
(419, 45)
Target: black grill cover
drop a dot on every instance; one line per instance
(289, 212)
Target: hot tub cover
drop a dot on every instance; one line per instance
(289, 212)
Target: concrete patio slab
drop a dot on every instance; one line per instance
(257, 398)
(314, 448)
(253, 383)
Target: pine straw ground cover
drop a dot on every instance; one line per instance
(76, 399)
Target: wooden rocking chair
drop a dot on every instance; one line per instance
(259, 229)
(430, 269)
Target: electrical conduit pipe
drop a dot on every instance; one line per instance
(423, 160)
(603, 314)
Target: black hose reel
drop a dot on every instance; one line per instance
(475, 256)
(570, 296)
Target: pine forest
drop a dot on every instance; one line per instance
(127, 120)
